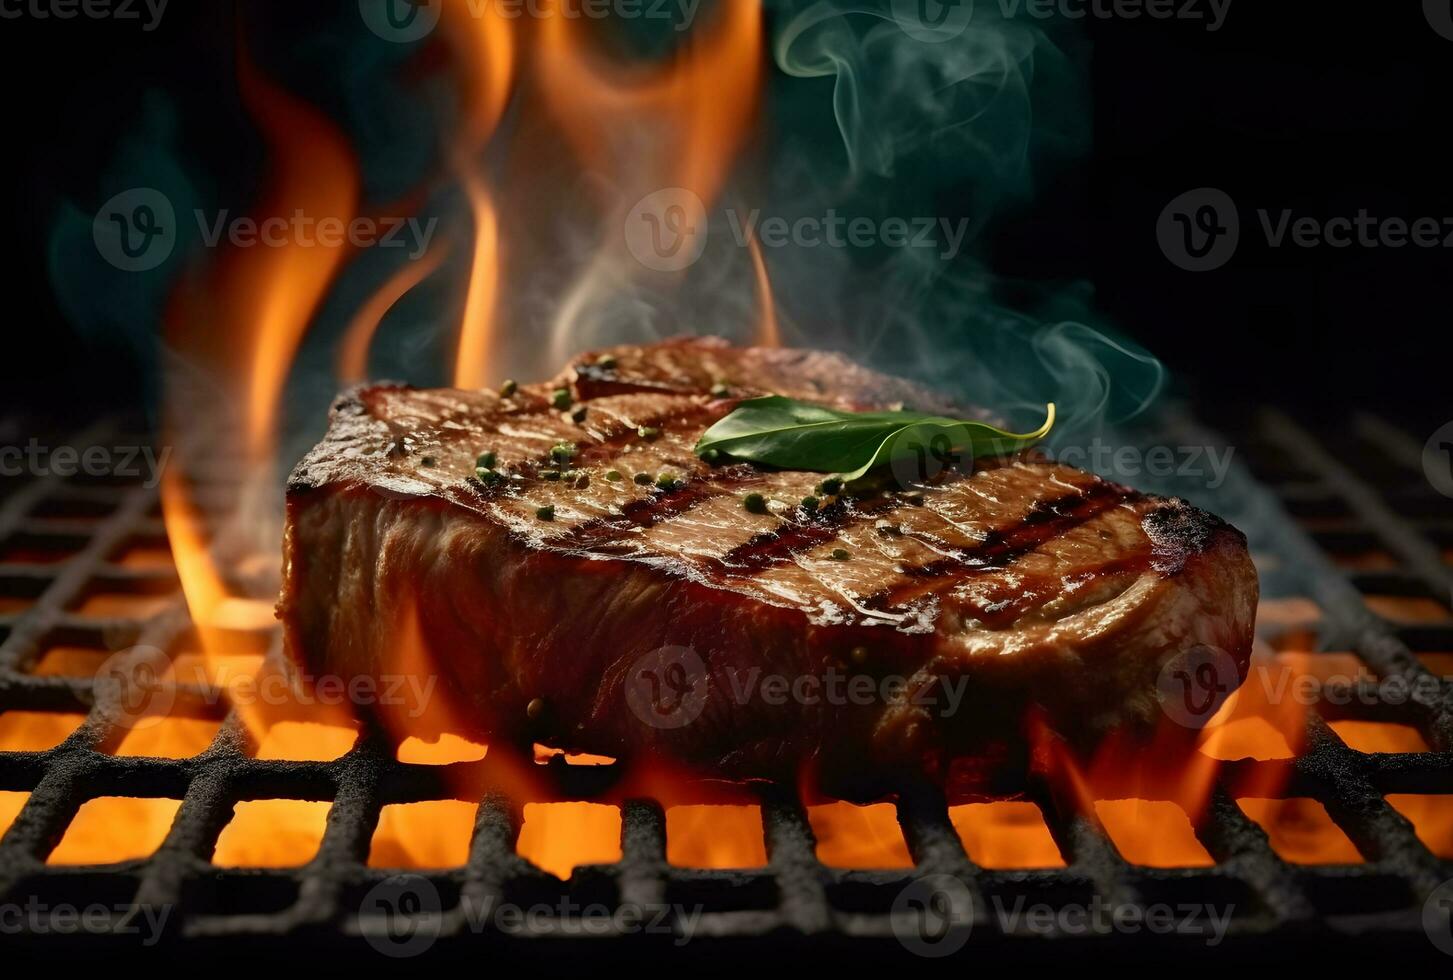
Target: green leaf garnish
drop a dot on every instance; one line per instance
(794, 435)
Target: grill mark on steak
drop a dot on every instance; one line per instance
(1047, 520)
(604, 533)
(779, 545)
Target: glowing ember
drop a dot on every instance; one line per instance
(1408, 609)
(122, 605)
(1431, 817)
(859, 836)
(1301, 831)
(271, 834)
(1376, 736)
(1156, 834)
(92, 836)
(306, 741)
(10, 804)
(559, 837)
(709, 836)
(36, 731)
(1005, 835)
(445, 750)
(65, 661)
(144, 557)
(169, 738)
(431, 834)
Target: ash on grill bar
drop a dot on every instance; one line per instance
(691, 485)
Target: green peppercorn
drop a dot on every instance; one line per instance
(607, 362)
(487, 476)
(667, 481)
(429, 461)
(614, 476)
(648, 432)
(552, 475)
(546, 513)
(560, 398)
(570, 476)
(840, 554)
(810, 504)
(755, 503)
(563, 452)
(579, 414)
(642, 478)
(711, 455)
(486, 461)
(831, 487)
(508, 389)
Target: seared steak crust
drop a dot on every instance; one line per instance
(1023, 584)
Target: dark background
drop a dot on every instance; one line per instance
(1318, 107)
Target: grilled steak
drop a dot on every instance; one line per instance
(649, 616)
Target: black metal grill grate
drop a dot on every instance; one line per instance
(1313, 505)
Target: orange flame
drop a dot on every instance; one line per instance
(675, 126)
(272, 293)
(476, 333)
(353, 351)
(768, 334)
(695, 110)
(486, 47)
